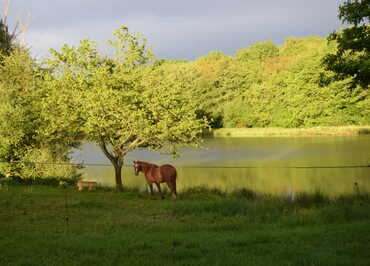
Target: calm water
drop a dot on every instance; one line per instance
(269, 165)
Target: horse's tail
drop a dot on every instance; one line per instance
(175, 174)
(174, 184)
(170, 174)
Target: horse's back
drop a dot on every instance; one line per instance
(168, 172)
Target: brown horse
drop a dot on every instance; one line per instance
(158, 174)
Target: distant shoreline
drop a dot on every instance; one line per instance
(290, 132)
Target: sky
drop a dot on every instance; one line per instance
(175, 29)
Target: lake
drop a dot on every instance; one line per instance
(273, 165)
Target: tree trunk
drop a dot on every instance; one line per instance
(118, 175)
(116, 160)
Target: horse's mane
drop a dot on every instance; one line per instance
(146, 164)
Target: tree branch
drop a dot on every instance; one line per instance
(136, 143)
(103, 147)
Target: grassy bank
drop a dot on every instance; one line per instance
(287, 132)
(42, 225)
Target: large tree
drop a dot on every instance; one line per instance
(21, 89)
(120, 103)
(352, 58)
(17, 109)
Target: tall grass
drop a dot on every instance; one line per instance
(201, 227)
(302, 199)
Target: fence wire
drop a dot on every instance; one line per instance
(82, 164)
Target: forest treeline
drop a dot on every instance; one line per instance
(126, 100)
(265, 85)
(44, 110)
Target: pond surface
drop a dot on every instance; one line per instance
(267, 164)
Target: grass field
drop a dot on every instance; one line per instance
(43, 225)
(291, 132)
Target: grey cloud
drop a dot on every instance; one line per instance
(178, 29)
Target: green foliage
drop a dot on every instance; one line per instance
(271, 86)
(268, 86)
(51, 163)
(294, 90)
(355, 11)
(131, 49)
(352, 58)
(258, 52)
(21, 87)
(47, 181)
(18, 114)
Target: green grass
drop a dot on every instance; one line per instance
(41, 225)
(281, 132)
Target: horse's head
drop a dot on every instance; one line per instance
(137, 167)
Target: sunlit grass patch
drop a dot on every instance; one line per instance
(281, 132)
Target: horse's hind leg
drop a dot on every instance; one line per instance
(172, 186)
(159, 189)
(174, 189)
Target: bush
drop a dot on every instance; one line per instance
(52, 164)
(51, 181)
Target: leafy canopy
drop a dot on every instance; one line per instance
(21, 88)
(352, 58)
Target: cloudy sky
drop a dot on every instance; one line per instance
(176, 29)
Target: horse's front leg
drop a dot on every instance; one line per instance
(159, 189)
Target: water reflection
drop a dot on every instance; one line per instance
(266, 159)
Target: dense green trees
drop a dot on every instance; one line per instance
(352, 58)
(21, 90)
(17, 83)
(265, 85)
